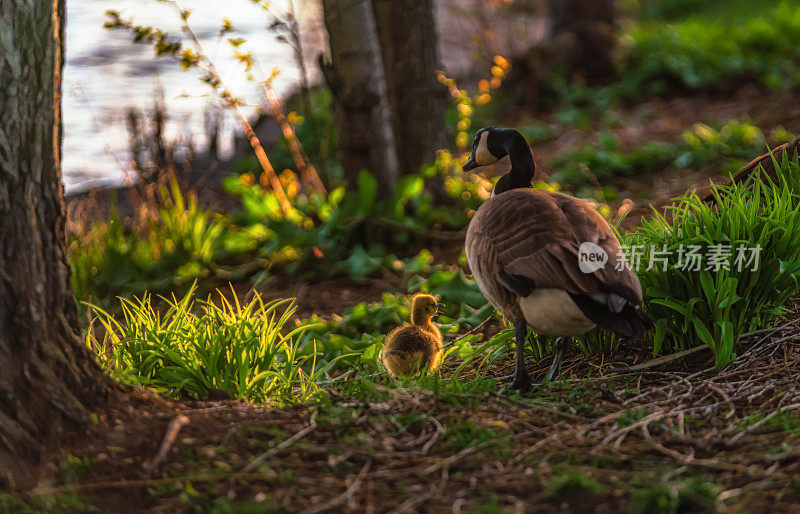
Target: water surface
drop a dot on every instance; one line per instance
(105, 74)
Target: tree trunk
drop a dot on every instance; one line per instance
(47, 377)
(355, 77)
(407, 34)
(583, 35)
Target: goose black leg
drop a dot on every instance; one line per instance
(561, 345)
(522, 381)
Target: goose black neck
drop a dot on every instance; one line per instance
(522, 164)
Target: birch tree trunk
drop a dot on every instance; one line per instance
(47, 377)
(355, 77)
(407, 34)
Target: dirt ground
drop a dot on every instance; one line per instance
(608, 437)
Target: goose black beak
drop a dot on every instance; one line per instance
(470, 164)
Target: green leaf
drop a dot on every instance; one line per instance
(359, 264)
(660, 333)
(367, 192)
(458, 289)
(408, 187)
(371, 352)
(704, 334)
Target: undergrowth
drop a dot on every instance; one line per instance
(713, 52)
(733, 143)
(352, 233)
(165, 244)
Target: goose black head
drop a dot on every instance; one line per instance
(482, 154)
(492, 144)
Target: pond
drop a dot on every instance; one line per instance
(106, 74)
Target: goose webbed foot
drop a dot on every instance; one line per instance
(561, 345)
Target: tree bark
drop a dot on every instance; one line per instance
(583, 34)
(48, 379)
(356, 79)
(408, 40)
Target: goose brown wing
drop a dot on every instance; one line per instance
(537, 236)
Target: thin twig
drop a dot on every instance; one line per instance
(261, 155)
(306, 169)
(659, 361)
(169, 439)
(474, 330)
(312, 424)
(147, 482)
(685, 353)
(348, 493)
(411, 504)
(763, 420)
(438, 235)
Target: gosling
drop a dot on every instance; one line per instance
(416, 345)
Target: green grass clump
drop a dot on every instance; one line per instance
(689, 495)
(236, 348)
(715, 305)
(173, 241)
(569, 484)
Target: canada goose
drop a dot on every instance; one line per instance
(523, 246)
(416, 345)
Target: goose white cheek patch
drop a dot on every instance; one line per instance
(482, 154)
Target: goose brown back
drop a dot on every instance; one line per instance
(535, 236)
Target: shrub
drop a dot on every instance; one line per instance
(354, 232)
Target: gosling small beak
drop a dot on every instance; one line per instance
(470, 164)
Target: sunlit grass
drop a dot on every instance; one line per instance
(202, 348)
